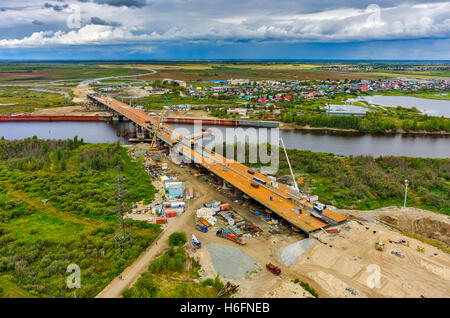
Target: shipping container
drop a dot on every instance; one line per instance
(224, 206)
(161, 221)
(254, 185)
(171, 214)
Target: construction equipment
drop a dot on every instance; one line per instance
(229, 236)
(379, 246)
(204, 221)
(227, 289)
(202, 228)
(420, 249)
(290, 168)
(274, 269)
(195, 242)
(152, 144)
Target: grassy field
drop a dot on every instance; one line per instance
(19, 73)
(78, 225)
(10, 290)
(19, 99)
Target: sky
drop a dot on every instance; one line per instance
(231, 29)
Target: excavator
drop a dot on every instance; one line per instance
(229, 288)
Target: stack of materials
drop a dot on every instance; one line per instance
(173, 208)
(227, 218)
(189, 194)
(207, 214)
(174, 189)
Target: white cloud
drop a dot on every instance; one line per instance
(181, 20)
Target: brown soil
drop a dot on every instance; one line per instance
(69, 111)
(425, 224)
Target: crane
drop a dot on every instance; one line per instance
(152, 144)
(289, 163)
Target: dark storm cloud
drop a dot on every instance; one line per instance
(37, 22)
(126, 3)
(99, 21)
(56, 7)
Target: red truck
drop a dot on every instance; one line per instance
(274, 269)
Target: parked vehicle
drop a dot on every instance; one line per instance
(274, 269)
(195, 242)
(229, 236)
(202, 228)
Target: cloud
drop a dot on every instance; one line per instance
(126, 3)
(37, 22)
(56, 7)
(233, 21)
(99, 21)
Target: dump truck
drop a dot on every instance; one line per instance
(230, 236)
(202, 228)
(379, 246)
(203, 220)
(227, 289)
(274, 269)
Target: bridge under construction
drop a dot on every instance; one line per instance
(277, 198)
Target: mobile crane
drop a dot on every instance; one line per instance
(152, 144)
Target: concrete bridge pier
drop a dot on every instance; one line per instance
(140, 133)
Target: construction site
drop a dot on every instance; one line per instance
(266, 238)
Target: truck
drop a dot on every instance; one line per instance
(259, 180)
(195, 242)
(202, 228)
(204, 222)
(230, 236)
(274, 269)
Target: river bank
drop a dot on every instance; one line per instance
(292, 126)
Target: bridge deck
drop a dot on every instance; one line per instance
(281, 199)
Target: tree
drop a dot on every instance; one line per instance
(177, 239)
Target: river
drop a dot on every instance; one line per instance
(431, 107)
(343, 144)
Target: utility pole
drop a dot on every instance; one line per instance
(406, 192)
(123, 237)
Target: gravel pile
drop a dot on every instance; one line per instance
(230, 262)
(290, 253)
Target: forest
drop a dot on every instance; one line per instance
(365, 182)
(58, 207)
(372, 122)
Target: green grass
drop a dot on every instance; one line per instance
(10, 290)
(306, 286)
(26, 100)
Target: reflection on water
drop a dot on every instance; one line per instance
(432, 107)
(344, 144)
